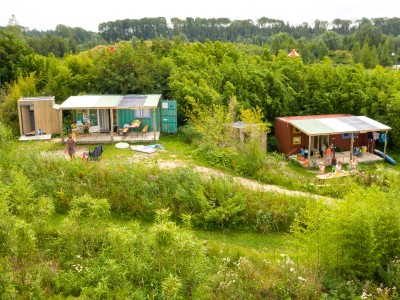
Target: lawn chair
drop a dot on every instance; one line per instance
(96, 153)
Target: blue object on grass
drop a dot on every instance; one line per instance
(389, 159)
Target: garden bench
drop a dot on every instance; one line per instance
(125, 131)
(144, 130)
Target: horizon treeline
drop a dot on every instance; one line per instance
(377, 39)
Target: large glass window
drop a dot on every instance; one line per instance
(143, 113)
(94, 121)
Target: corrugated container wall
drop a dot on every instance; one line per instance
(169, 116)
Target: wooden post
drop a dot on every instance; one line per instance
(61, 126)
(351, 145)
(153, 110)
(21, 130)
(309, 150)
(112, 124)
(384, 147)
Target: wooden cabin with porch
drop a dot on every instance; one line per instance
(314, 134)
(114, 116)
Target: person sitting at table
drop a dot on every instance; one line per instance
(353, 163)
(338, 167)
(321, 168)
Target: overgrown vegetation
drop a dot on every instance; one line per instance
(114, 229)
(118, 229)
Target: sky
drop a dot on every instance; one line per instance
(88, 14)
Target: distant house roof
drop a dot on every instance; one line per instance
(334, 124)
(111, 101)
(294, 53)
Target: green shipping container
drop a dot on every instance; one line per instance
(169, 116)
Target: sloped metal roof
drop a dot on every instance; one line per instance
(110, 101)
(338, 125)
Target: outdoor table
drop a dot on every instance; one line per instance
(134, 126)
(320, 181)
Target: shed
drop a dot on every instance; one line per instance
(103, 112)
(38, 113)
(242, 131)
(312, 132)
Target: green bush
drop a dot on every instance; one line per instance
(358, 238)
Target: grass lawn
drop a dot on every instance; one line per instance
(177, 150)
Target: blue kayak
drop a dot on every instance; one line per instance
(389, 159)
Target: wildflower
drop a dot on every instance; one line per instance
(365, 295)
(291, 269)
(301, 278)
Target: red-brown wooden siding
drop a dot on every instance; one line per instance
(284, 134)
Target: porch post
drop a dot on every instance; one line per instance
(384, 147)
(351, 145)
(309, 150)
(61, 126)
(153, 110)
(112, 125)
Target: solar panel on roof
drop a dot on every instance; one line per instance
(133, 100)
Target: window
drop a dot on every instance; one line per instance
(144, 113)
(296, 140)
(346, 136)
(295, 130)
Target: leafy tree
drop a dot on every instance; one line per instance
(13, 48)
(124, 69)
(331, 40)
(23, 87)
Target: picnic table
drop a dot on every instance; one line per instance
(134, 126)
(321, 178)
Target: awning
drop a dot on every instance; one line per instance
(90, 101)
(111, 101)
(339, 125)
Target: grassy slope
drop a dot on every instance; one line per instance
(178, 151)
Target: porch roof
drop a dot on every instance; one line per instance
(337, 125)
(110, 101)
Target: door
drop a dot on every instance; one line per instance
(94, 120)
(104, 120)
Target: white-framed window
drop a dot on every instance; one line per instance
(143, 113)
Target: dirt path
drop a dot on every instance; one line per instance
(248, 183)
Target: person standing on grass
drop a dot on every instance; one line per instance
(70, 147)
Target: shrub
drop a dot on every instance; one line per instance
(358, 238)
(85, 206)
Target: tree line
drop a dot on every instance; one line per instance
(373, 41)
(210, 72)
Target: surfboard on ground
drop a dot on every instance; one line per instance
(389, 159)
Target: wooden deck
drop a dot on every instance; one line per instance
(344, 157)
(105, 138)
(99, 138)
